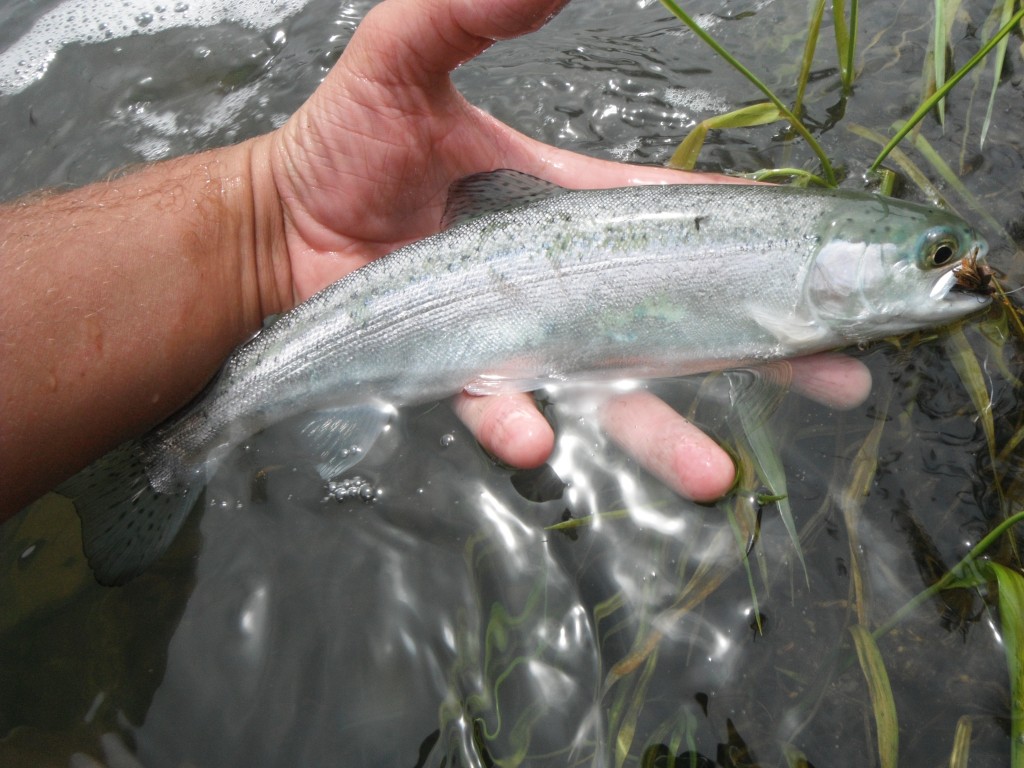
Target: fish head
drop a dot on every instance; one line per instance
(887, 267)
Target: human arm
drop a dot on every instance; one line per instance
(120, 301)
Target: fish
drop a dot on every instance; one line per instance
(530, 284)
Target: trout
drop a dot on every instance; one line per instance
(529, 284)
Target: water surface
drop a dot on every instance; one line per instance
(427, 613)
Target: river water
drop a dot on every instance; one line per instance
(438, 614)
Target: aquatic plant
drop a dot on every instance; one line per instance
(992, 568)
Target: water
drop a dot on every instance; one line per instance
(426, 612)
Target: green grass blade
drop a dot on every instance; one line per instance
(626, 731)
(958, 758)
(754, 403)
(922, 145)
(846, 39)
(686, 154)
(794, 757)
(997, 68)
(882, 701)
(851, 501)
(1011, 623)
(964, 573)
(915, 174)
(796, 176)
(842, 36)
(973, 378)
(794, 122)
(737, 530)
(808, 58)
(939, 55)
(921, 179)
(763, 447)
(852, 48)
(947, 86)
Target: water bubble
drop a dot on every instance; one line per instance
(447, 440)
(180, 7)
(355, 487)
(144, 19)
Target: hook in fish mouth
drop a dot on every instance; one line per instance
(973, 277)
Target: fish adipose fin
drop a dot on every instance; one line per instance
(126, 525)
(338, 438)
(473, 196)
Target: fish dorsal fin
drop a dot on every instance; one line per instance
(473, 196)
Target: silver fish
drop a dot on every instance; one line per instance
(529, 283)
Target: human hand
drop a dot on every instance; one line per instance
(364, 168)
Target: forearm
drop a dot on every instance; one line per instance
(120, 300)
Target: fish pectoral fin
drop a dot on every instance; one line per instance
(793, 332)
(473, 196)
(338, 438)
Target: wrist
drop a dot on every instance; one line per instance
(265, 265)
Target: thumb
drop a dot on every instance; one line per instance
(429, 38)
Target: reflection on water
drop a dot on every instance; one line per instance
(436, 609)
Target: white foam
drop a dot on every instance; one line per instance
(696, 100)
(159, 128)
(93, 21)
(626, 151)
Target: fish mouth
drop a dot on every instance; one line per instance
(967, 282)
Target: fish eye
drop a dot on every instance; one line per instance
(940, 248)
(943, 252)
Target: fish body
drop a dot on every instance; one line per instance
(530, 283)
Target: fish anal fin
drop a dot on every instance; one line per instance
(338, 438)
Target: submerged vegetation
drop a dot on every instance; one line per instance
(992, 569)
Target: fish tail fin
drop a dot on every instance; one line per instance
(126, 524)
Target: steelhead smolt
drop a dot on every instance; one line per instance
(530, 283)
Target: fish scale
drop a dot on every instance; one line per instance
(530, 283)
